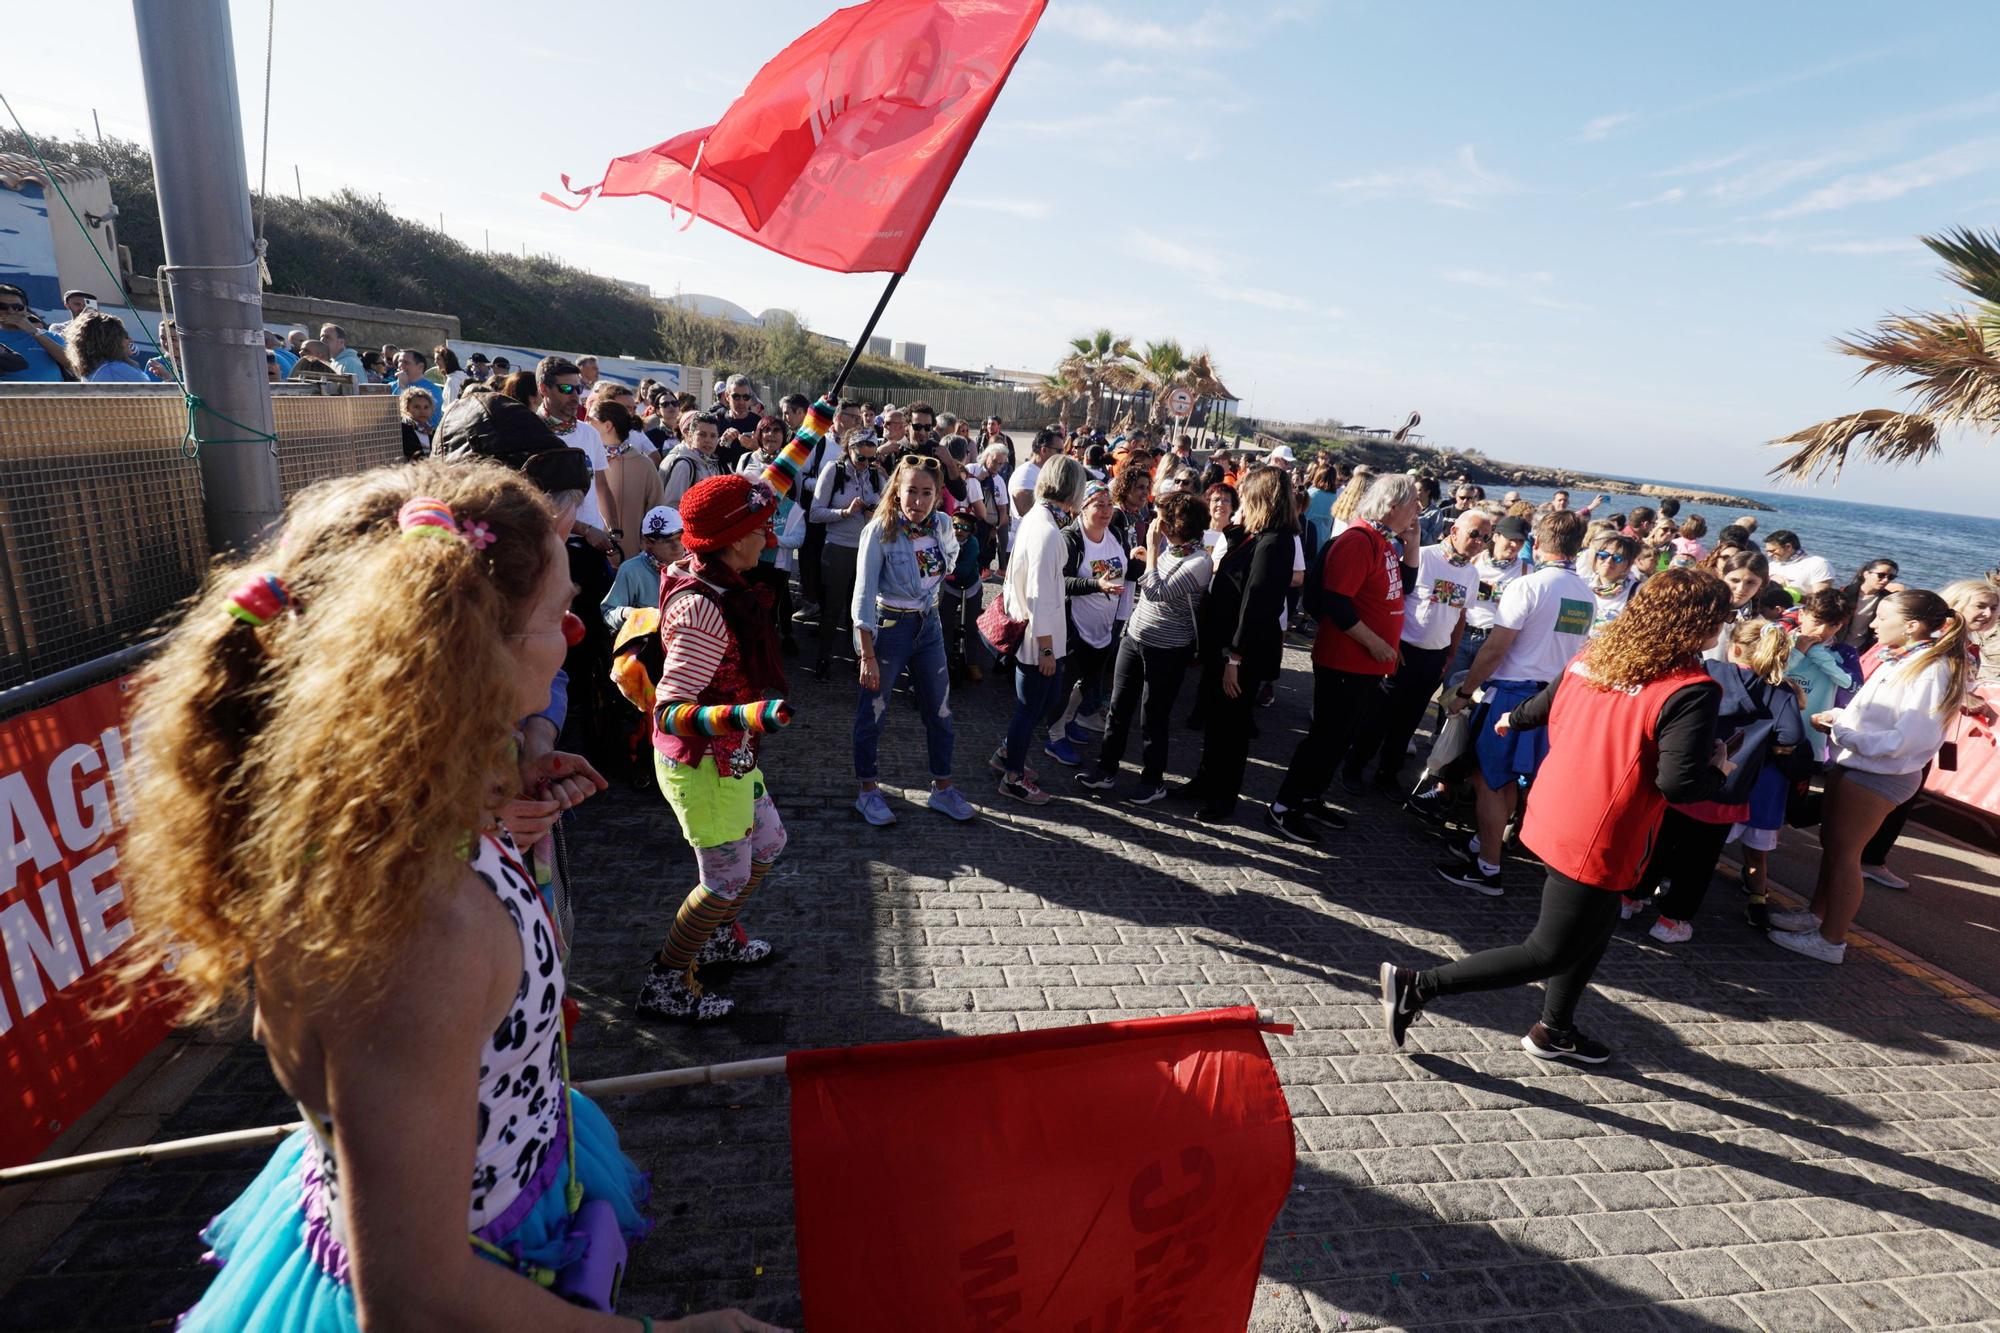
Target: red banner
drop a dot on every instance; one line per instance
(1119, 1176)
(62, 919)
(1975, 780)
(842, 147)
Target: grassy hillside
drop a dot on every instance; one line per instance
(347, 247)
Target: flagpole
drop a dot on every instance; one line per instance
(854, 355)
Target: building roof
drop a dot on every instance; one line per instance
(18, 169)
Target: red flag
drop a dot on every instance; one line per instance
(841, 149)
(1088, 1179)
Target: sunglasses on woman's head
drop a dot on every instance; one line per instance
(923, 461)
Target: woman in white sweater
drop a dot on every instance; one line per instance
(1034, 593)
(1881, 743)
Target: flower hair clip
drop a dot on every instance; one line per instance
(478, 536)
(760, 498)
(424, 516)
(262, 598)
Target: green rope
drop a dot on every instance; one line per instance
(193, 440)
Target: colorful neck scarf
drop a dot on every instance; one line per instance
(1569, 564)
(910, 529)
(1890, 656)
(1183, 549)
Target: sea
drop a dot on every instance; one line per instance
(1932, 549)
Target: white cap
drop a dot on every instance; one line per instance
(661, 521)
(1283, 454)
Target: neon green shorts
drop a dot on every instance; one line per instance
(712, 810)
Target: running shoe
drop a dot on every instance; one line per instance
(1060, 750)
(998, 763)
(1291, 824)
(1400, 1005)
(1671, 932)
(1354, 784)
(676, 996)
(1467, 873)
(1428, 806)
(1544, 1044)
(806, 614)
(1758, 913)
(1629, 907)
(1810, 943)
(1321, 814)
(1801, 920)
(1075, 734)
(951, 803)
(1884, 876)
(1023, 790)
(1097, 721)
(1216, 814)
(1149, 795)
(1096, 780)
(874, 807)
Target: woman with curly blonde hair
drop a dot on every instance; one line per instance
(329, 743)
(1631, 727)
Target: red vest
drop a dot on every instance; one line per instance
(1595, 807)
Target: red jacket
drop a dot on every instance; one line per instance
(1596, 804)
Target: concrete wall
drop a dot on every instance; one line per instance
(367, 326)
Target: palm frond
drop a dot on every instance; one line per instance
(1942, 358)
(1878, 434)
(1972, 260)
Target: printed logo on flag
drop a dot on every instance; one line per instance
(1574, 617)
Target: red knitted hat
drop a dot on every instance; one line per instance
(719, 510)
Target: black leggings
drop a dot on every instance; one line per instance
(1564, 948)
(1684, 859)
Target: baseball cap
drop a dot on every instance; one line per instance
(77, 291)
(661, 521)
(1283, 453)
(1512, 526)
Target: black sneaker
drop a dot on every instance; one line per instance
(1291, 824)
(1193, 789)
(1758, 914)
(1546, 1045)
(1149, 795)
(1429, 807)
(1216, 814)
(1400, 1005)
(1096, 780)
(1320, 814)
(1354, 784)
(1466, 872)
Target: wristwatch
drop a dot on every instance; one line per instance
(1468, 697)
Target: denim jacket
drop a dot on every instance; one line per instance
(887, 567)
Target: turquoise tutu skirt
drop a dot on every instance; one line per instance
(281, 1270)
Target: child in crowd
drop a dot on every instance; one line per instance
(1816, 666)
(963, 600)
(1692, 837)
(1688, 550)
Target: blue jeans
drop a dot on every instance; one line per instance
(1033, 692)
(915, 640)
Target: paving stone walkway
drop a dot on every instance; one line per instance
(1779, 1145)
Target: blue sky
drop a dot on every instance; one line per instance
(1611, 237)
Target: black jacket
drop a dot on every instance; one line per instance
(1240, 613)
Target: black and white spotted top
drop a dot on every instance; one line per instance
(521, 1131)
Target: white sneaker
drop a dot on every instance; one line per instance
(1884, 876)
(1800, 920)
(1810, 943)
(1671, 932)
(1629, 907)
(1097, 721)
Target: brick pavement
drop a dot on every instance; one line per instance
(1780, 1145)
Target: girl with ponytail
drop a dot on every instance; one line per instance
(1881, 743)
(1761, 724)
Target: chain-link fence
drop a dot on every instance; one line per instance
(101, 527)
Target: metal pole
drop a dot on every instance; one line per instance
(299, 181)
(189, 68)
(840, 380)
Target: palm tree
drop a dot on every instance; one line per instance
(1948, 360)
(1059, 388)
(1154, 370)
(1094, 358)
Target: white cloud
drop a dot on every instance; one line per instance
(1871, 187)
(1672, 196)
(1460, 182)
(1208, 273)
(1033, 210)
(1880, 245)
(1601, 127)
(1529, 288)
(1215, 28)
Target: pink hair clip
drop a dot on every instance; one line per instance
(478, 536)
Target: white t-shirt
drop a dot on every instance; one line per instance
(1552, 608)
(1805, 573)
(1024, 478)
(1094, 613)
(1612, 605)
(584, 436)
(1493, 581)
(1439, 597)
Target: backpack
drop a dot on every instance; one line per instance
(1312, 596)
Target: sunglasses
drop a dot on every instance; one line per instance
(567, 388)
(1612, 556)
(12, 305)
(922, 461)
(739, 397)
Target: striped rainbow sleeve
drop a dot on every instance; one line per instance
(783, 472)
(724, 719)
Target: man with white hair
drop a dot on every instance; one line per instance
(1361, 579)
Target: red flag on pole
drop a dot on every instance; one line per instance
(1091, 1179)
(842, 147)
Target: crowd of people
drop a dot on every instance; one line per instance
(573, 581)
